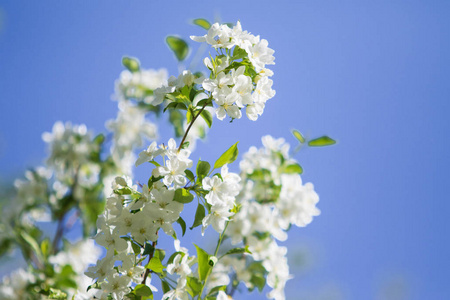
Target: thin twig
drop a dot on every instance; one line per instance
(190, 125)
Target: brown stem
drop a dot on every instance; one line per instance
(190, 125)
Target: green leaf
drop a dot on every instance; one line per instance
(199, 215)
(202, 23)
(189, 175)
(238, 251)
(32, 243)
(321, 142)
(99, 139)
(239, 53)
(194, 284)
(155, 265)
(172, 257)
(203, 266)
(293, 169)
(165, 286)
(143, 291)
(183, 196)
(206, 115)
(217, 289)
(179, 47)
(176, 118)
(189, 115)
(227, 157)
(131, 63)
(258, 281)
(160, 253)
(148, 249)
(136, 248)
(45, 247)
(182, 224)
(185, 145)
(203, 168)
(298, 136)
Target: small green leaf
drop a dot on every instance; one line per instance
(217, 289)
(185, 145)
(136, 248)
(206, 115)
(321, 142)
(258, 281)
(131, 63)
(182, 224)
(199, 215)
(172, 257)
(176, 118)
(155, 265)
(99, 139)
(203, 168)
(189, 175)
(160, 253)
(238, 251)
(293, 169)
(298, 136)
(143, 291)
(148, 249)
(239, 53)
(183, 196)
(189, 115)
(203, 266)
(32, 243)
(227, 157)
(194, 284)
(179, 47)
(202, 23)
(45, 247)
(165, 286)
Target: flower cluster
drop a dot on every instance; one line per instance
(222, 192)
(139, 84)
(273, 198)
(240, 78)
(253, 209)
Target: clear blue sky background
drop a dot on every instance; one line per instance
(372, 74)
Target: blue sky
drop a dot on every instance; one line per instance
(372, 74)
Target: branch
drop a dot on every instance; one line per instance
(190, 125)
